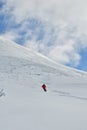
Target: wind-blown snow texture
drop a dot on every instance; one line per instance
(23, 103)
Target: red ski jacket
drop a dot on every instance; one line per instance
(44, 87)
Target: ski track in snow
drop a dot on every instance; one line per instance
(67, 94)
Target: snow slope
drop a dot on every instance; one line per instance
(24, 105)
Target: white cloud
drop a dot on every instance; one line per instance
(34, 45)
(67, 17)
(66, 53)
(9, 35)
(54, 11)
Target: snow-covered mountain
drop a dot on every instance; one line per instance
(25, 106)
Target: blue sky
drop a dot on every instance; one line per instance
(57, 29)
(83, 61)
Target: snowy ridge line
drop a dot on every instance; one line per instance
(27, 63)
(44, 60)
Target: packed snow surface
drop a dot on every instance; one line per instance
(23, 103)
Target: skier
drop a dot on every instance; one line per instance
(44, 87)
